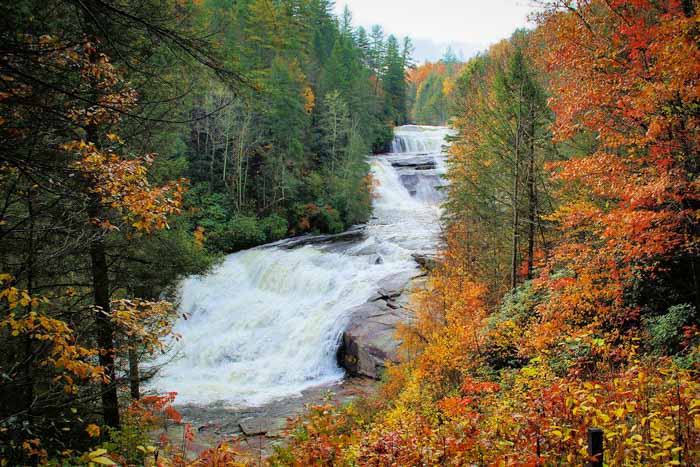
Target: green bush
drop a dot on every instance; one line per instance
(240, 232)
(666, 331)
(274, 227)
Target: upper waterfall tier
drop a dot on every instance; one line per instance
(265, 324)
(415, 139)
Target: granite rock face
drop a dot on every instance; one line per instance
(369, 339)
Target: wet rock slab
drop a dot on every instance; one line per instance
(422, 162)
(263, 425)
(355, 233)
(369, 340)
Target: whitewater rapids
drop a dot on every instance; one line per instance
(265, 324)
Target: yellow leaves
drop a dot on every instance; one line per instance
(98, 457)
(93, 430)
(61, 354)
(146, 449)
(146, 322)
(121, 184)
(199, 237)
(114, 138)
(15, 297)
(448, 86)
(309, 99)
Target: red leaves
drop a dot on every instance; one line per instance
(172, 414)
(629, 205)
(479, 388)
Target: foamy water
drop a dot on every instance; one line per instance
(266, 323)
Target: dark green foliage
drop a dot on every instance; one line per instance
(666, 331)
(325, 96)
(268, 107)
(395, 82)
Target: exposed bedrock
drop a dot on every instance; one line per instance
(422, 162)
(369, 340)
(412, 180)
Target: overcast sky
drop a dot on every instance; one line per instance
(468, 25)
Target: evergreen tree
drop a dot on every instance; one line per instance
(377, 50)
(394, 81)
(334, 127)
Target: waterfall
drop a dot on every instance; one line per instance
(265, 324)
(417, 139)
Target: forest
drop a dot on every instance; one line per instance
(566, 295)
(142, 140)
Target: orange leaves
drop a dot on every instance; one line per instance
(420, 74)
(320, 438)
(228, 454)
(565, 348)
(629, 205)
(93, 430)
(636, 62)
(122, 185)
(146, 323)
(309, 99)
(32, 447)
(172, 414)
(199, 237)
(97, 76)
(153, 414)
(62, 356)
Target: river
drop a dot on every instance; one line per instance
(266, 323)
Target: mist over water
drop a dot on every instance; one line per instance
(265, 324)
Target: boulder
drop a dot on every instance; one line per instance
(427, 262)
(394, 285)
(369, 340)
(264, 425)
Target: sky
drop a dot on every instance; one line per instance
(469, 26)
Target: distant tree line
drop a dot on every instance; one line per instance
(431, 90)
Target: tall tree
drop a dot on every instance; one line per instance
(499, 157)
(394, 81)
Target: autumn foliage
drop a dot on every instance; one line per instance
(565, 296)
(431, 89)
(605, 333)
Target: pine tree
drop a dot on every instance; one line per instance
(394, 81)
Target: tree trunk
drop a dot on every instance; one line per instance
(532, 196)
(28, 389)
(105, 330)
(516, 176)
(134, 378)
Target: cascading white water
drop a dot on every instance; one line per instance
(417, 139)
(265, 324)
